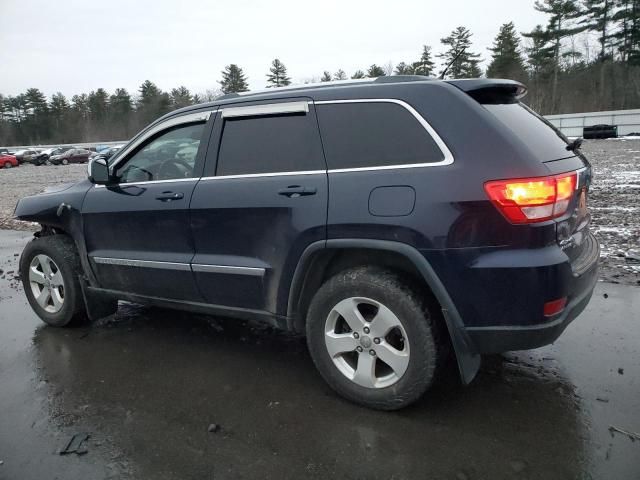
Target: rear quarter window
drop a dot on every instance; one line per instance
(374, 134)
(539, 135)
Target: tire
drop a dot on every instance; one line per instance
(420, 352)
(58, 307)
(48, 162)
(8, 165)
(65, 161)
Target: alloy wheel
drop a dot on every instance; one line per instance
(367, 342)
(47, 284)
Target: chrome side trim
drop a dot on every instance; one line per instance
(142, 263)
(251, 271)
(171, 122)
(150, 182)
(270, 109)
(448, 156)
(272, 174)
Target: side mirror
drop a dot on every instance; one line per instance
(98, 171)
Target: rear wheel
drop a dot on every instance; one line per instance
(49, 269)
(373, 339)
(48, 162)
(7, 165)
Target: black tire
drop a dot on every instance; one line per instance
(422, 330)
(8, 165)
(62, 250)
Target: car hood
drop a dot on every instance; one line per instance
(43, 207)
(58, 188)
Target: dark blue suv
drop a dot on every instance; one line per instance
(393, 221)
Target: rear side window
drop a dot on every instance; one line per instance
(374, 134)
(270, 144)
(534, 131)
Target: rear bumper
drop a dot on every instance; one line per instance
(500, 294)
(514, 337)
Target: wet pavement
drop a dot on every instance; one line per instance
(148, 384)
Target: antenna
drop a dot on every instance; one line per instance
(444, 72)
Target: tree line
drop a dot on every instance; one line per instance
(585, 58)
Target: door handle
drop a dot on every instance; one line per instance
(169, 196)
(294, 191)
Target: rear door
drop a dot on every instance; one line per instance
(137, 230)
(262, 201)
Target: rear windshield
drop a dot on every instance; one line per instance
(537, 133)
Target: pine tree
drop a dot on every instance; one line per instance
(326, 76)
(120, 103)
(424, 66)
(152, 103)
(181, 97)
(98, 102)
(358, 75)
(278, 75)
(627, 38)
(460, 61)
(403, 69)
(561, 24)
(375, 71)
(340, 75)
(233, 80)
(507, 61)
(597, 17)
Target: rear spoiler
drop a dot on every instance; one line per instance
(491, 90)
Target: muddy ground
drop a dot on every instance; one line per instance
(167, 395)
(614, 201)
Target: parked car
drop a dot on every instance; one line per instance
(106, 153)
(391, 221)
(26, 155)
(73, 155)
(45, 155)
(5, 151)
(8, 161)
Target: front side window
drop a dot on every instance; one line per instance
(169, 155)
(374, 134)
(270, 144)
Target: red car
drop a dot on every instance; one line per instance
(8, 161)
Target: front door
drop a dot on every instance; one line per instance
(262, 201)
(137, 230)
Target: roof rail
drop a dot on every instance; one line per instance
(402, 78)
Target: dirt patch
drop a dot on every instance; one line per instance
(614, 201)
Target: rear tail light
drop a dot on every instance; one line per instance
(530, 200)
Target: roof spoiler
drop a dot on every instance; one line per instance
(491, 90)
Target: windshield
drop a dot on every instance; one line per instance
(533, 130)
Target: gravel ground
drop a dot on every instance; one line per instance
(614, 201)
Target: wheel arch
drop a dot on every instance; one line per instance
(322, 259)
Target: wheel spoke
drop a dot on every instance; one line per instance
(348, 309)
(366, 370)
(398, 360)
(56, 280)
(43, 260)
(36, 276)
(338, 343)
(43, 298)
(384, 321)
(56, 298)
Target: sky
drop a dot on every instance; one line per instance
(75, 46)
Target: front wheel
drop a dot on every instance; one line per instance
(7, 165)
(65, 161)
(373, 338)
(49, 270)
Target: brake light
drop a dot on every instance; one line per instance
(529, 200)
